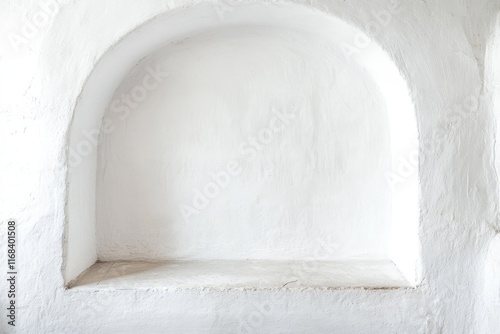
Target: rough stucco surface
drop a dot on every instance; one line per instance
(321, 175)
(438, 45)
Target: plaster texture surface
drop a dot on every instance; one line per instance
(445, 52)
(307, 133)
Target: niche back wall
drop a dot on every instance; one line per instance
(250, 143)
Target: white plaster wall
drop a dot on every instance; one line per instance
(438, 51)
(488, 318)
(86, 123)
(319, 177)
(489, 289)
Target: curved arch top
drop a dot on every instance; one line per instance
(339, 37)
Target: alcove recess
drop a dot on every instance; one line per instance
(216, 148)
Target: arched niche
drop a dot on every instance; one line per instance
(373, 219)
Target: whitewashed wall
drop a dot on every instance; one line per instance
(321, 173)
(439, 47)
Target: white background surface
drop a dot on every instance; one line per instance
(320, 178)
(440, 48)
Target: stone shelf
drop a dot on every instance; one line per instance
(241, 275)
